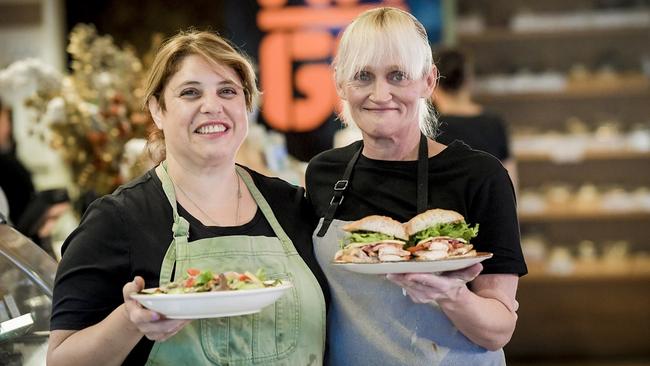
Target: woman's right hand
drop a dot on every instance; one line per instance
(153, 325)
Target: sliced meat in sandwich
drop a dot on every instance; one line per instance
(438, 234)
(374, 239)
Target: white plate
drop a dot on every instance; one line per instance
(441, 265)
(212, 304)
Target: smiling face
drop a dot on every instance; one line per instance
(384, 74)
(205, 119)
(383, 100)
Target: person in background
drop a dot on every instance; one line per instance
(384, 75)
(461, 118)
(15, 180)
(33, 213)
(196, 209)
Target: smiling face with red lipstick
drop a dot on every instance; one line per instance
(205, 118)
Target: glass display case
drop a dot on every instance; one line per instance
(26, 282)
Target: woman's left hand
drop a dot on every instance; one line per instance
(427, 287)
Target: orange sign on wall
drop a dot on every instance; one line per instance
(306, 35)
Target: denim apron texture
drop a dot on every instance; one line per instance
(289, 332)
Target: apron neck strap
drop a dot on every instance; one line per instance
(181, 227)
(167, 185)
(341, 185)
(339, 189)
(423, 175)
(265, 208)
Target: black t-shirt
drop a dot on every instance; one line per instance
(486, 132)
(468, 181)
(128, 232)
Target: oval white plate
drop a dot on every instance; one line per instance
(441, 265)
(212, 304)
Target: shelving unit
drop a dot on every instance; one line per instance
(577, 215)
(604, 155)
(597, 311)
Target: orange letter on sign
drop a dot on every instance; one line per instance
(275, 77)
(277, 53)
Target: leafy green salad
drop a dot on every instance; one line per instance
(196, 280)
(454, 230)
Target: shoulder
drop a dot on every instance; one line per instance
(288, 202)
(136, 194)
(474, 162)
(139, 201)
(335, 156)
(329, 164)
(277, 191)
(492, 118)
(267, 183)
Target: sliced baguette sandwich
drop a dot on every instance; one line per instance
(374, 239)
(439, 234)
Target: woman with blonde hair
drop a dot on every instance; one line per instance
(385, 75)
(196, 209)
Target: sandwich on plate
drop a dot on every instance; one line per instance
(439, 234)
(374, 239)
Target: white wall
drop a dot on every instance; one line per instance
(43, 39)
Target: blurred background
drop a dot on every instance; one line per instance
(570, 80)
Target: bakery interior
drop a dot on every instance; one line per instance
(570, 78)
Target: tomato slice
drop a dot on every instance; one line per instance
(193, 271)
(189, 282)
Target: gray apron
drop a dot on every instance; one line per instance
(289, 332)
(370, 321)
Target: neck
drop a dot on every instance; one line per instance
(397, 147)
(213, 185)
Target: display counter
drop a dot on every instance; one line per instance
(26, 282)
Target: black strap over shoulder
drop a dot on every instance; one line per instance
(423, 175)
(339, 189)
(341, 185)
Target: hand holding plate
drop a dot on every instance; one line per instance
(153, 325)
(427, 287)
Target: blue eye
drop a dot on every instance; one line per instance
(398, 76)
(363, 76)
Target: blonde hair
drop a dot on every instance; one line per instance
(380, 34)
(167, 62)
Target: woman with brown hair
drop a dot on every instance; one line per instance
(196, 209)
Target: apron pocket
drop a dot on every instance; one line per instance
(271, 334)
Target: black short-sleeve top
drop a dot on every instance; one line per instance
(468, 181)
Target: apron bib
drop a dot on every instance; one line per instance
(289, 332)
(370, 321)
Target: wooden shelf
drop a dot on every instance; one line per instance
(601, 316)
(599, 309)
(587, 156)
(635, 91)
(626, 270)
(568, 216)
(499, 35)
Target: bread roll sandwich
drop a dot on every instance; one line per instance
(439, 234)
(374, 239)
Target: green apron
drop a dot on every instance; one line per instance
(289, 332)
